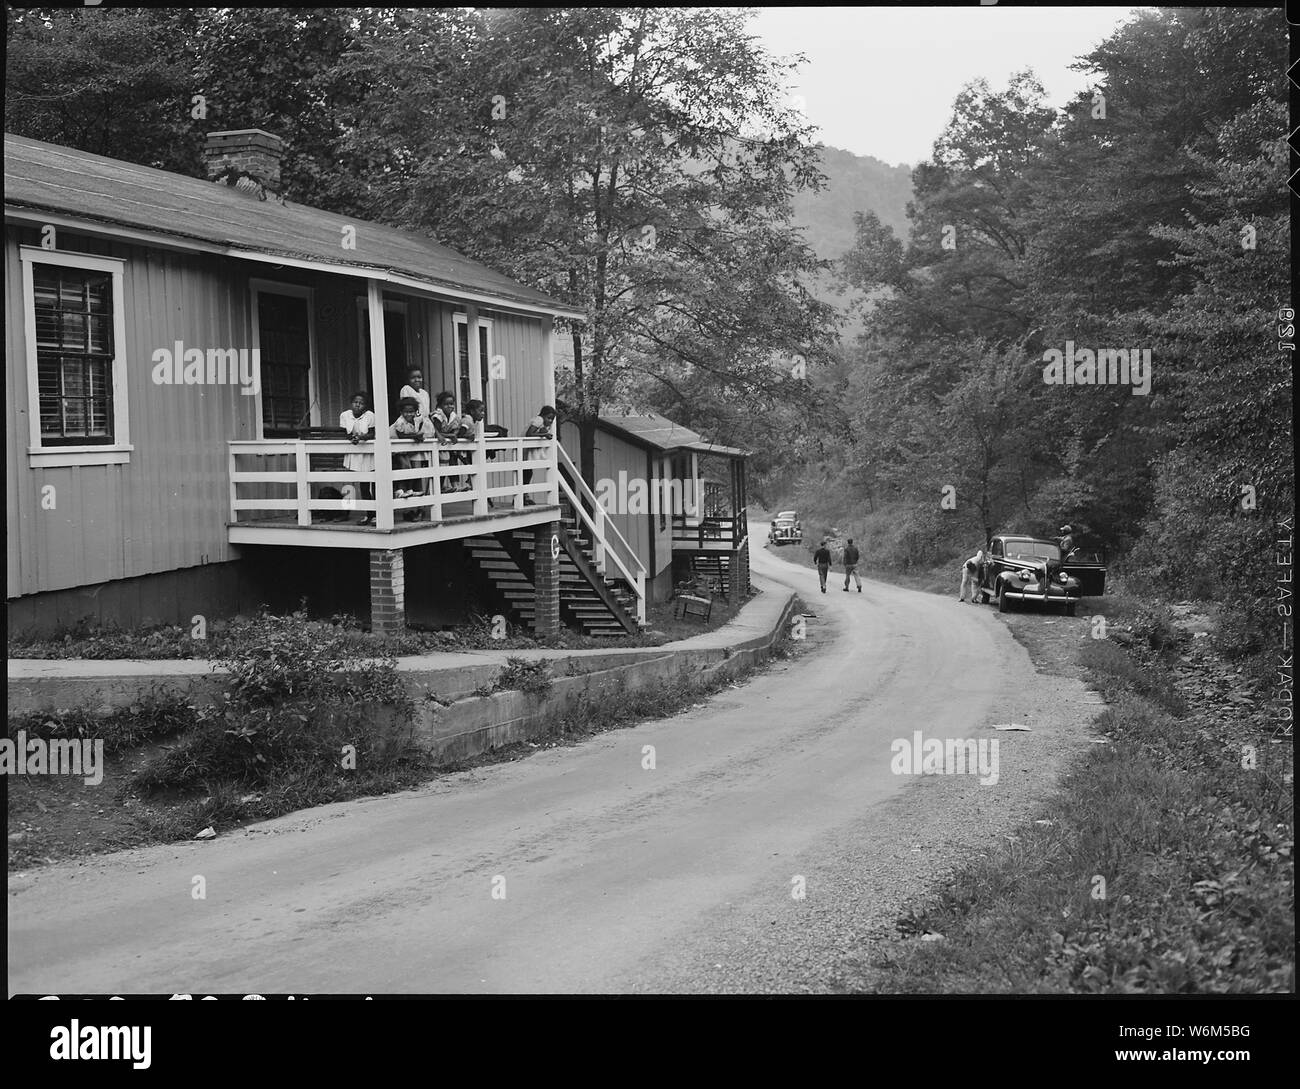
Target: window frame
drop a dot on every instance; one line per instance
(459, 318)
(258, 287)
(117, 452)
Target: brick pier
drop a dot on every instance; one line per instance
(546, 579)
(387, 591)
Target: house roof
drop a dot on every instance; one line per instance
(656, 432)
(43, 177)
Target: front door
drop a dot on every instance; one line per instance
(394, 349)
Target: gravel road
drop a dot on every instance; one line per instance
(579, 869)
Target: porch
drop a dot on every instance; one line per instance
(710, 539)
(298, 492)
(717, 519)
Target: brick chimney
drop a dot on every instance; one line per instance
(245, 159)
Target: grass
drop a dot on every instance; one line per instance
(155, 715)
(1167, 868)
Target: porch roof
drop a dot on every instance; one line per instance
(47, 178)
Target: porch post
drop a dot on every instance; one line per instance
(548, 365)
(387, 591)
(548, 398)
(475, 364)
(546, 579)
(379, 383)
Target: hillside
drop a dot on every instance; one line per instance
(854, 183)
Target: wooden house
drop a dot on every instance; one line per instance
(178, 354)
(678, 500)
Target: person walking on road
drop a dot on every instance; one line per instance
(822, 558)
(851, 558)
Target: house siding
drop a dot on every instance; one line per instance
(166, 509)
(105, 517)
(651, 545)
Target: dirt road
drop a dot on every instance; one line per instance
(601, 868)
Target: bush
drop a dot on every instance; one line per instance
(1155, 626)
(300, 703)
(525, 676)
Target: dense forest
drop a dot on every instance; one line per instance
(893, 380)
(1151, 214)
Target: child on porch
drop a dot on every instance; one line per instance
(446, 426)
(415, 388)
(539, 427)
(467, 431)
(410, 426)
(358, 422)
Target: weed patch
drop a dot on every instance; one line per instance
(1167, 867)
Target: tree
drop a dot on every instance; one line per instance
(113, 81)
(637, 163)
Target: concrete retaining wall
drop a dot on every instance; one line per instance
(465, 727)
(482, 723)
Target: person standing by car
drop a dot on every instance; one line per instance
(822, 558)
(1066, 541)
(851, 558)
(972, 570)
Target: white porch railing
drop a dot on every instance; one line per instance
(282, 470)
(609, 546)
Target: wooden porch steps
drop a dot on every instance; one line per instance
(590, 603)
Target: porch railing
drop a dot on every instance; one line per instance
(710, 529)
(610, 549)
(289, 474)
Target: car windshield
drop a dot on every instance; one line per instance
(786, 516)
(1028, 550)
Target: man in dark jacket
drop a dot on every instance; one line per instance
(851, 558)
(822, 558)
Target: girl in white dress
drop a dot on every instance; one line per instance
(358, 422)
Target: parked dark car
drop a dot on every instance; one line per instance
(1022, 568)
(786, 529)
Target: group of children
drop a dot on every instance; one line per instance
(442, 425)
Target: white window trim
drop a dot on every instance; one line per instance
(490, 391)
(118, 452)
(258, 287)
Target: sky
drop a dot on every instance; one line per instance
(881, 81)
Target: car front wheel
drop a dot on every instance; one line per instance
(1004, 606)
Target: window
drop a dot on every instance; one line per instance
(76, 369)
(74, 354)
(462, 360)
(283, 335)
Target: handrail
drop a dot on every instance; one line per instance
(562, 457)
(637, 581)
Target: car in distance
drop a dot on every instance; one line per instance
(1020, 568)
(786, 528)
